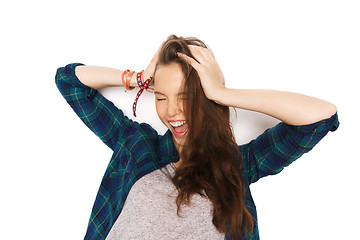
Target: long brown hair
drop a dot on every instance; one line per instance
(210, 156)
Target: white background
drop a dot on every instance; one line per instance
(52, 164)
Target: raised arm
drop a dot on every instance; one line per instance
(98, 77)
(99, 114)
(79, 86)
(291, 108)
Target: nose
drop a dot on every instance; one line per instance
(174, 108)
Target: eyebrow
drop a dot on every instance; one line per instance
(157, 92)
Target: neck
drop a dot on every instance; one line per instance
(179, 148)
(177, 164)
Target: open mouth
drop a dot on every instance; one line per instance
(179, 128)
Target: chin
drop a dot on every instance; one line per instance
(179, 140)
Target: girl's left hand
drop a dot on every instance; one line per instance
(211, 76)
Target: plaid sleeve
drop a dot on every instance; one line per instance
(280, 145)
(97, 113)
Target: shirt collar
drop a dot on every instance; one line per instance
(167, 150)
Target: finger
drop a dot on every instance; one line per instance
(199, 53)
(190, 60)
(203, 55)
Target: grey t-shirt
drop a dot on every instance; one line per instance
(150, 209)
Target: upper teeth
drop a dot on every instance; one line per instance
(177, 124)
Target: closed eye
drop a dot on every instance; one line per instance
(161, 99)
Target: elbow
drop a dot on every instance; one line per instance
(58, 75)
(327, 111)
(331, 109)
(323, 112)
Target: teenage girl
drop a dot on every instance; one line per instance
(193, 181)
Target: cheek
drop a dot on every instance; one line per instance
(181, 106)
(160, 110)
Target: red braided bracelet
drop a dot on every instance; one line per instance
(142, 85)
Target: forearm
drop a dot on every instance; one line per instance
(98, 77)
(291, 108)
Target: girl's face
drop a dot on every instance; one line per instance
(169, 100)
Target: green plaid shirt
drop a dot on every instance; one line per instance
(139, 150)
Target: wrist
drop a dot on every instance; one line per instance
(149, 71)
(133, 81)
(146, 75)
(219, 96)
